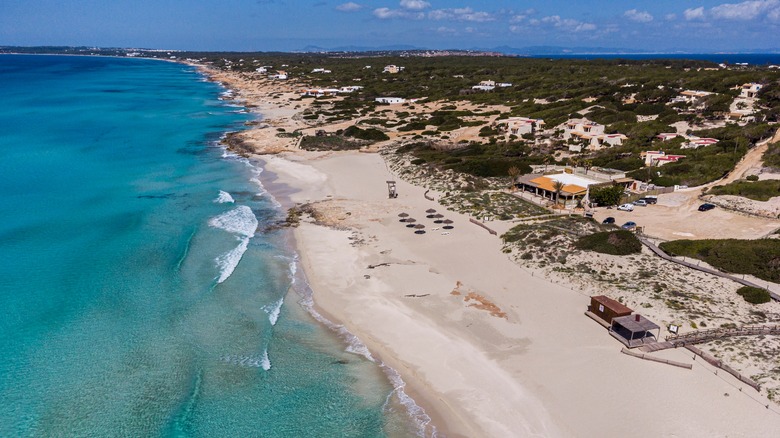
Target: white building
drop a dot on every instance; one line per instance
(659, 158)
(390, 100)
(320, 70)
(750, 90)
(280, 75)
(392, 69)
(591, 134)
(691, 97)
(350, 89)
(320, 92)
(520, 125)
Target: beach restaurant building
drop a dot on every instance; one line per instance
(574, 186)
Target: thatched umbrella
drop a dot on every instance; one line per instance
(447, 225)
(410, 222)
(403, 216)
(430, 212)
(438, 217)
(419, 228)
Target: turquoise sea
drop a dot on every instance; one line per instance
(142, 293)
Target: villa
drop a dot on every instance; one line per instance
(520, 125)
(392, 69)
(659, 158)
(590, 134)
(320, 92)
(750, 90)
(390, 100)
(697, 142)
(691, 97)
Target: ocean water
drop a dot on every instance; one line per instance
(756, 59)
(142, 292)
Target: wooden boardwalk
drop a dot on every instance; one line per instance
(703, 336)
(659, 252)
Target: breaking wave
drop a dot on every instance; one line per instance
(224, 197)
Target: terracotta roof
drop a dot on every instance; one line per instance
(548, 184)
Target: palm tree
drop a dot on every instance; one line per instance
(558, 187)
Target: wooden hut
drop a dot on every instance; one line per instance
(604, 309)
(634, 330)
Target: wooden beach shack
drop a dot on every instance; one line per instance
(604, 309)
(634, 330)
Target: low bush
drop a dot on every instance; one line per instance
(754, 295)
(620, 242)
(760, 258)
(756, 190)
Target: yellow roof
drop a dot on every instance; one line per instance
(549, 184)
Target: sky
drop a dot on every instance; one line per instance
(290, 25)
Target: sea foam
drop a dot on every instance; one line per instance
(241, 221)
(273, 310)
(228, 261)
(224, 197)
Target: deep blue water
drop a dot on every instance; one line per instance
(140, 290)
(759, 59)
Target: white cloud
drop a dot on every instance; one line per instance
(349, 7)
(745, 11)
(671, 17)
(387, 14)
(638, 16)
(460, 14)
(568, 24)
(446, 30)
(694, 13)
(414, 5)
(517, 18)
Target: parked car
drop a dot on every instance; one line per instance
(609, 220)
(640, 203)
(628, 225)
(626, 207)
(651, 199)
(706, 207)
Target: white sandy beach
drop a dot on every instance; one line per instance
(488, 348)
(542, 370)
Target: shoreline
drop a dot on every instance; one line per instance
(507, 374)
(434, 424)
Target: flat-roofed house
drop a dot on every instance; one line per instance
(520, 125)
(750, 90)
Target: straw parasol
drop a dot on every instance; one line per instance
(438, 218)
(448, 224)
(403, 216)
(430, 212)
(419, 228)
(410, 222)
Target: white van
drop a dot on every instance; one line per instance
(626, 207)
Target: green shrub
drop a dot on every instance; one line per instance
(754, 295)
(752, 189)
(418, 161)
(620, 242)
(752, 178)
(760, 257)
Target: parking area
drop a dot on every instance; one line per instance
(676, 216)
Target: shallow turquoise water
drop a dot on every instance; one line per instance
(140, 292)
